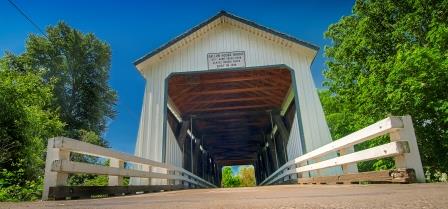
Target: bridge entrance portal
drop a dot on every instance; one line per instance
(231, 117)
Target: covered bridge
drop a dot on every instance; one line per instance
(230, 92)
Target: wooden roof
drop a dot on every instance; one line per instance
(230, 109)
(223, 16)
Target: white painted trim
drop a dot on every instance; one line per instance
(403, 141)
(58, 165)
(66, 166)
(382, 151)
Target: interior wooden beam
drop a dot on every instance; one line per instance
(277, 118)
(216, 101)
(242, 107)
(236, 90)
(242, 76)
(237, 162)
(216, 126)
(231, 114)
(228, 132)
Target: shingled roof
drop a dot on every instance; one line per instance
(231, 16)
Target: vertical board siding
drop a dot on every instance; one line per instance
(193, 57)
(173, 151)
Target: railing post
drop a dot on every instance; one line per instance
(286, 178)
(147, 168)
(411, 159)
(184, 184)
(177, 173)
(116, 180)
(307, 173)
(51, 178)
(348, 168)
(319, 171)
(293, 176)
(171, 181)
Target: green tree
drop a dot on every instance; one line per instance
(247, 176)
(61, 78)
(80, 64)
(26, 121)
(228, 179)
(391, 58)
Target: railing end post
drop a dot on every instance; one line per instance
(52, 178)
(411, 159)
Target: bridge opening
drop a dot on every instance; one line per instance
(238, 176)
(230, 117)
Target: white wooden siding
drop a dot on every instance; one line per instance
(173, 151)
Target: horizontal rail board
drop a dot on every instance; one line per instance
(77, 146)
(61, 192)
(382, 151)
(66, 166)
(389, 176)
(379, 128)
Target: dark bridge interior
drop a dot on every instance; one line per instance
(228, 117)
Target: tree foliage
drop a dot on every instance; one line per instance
(26, 120)
(80, 63)
(244, 178)
(247, 176)
(228, 179)
(58, 86)
(391, 58)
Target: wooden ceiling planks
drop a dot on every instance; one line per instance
(230, 109)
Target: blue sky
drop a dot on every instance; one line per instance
(133, 28)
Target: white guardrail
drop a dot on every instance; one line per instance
(58, 166)
(403, 147)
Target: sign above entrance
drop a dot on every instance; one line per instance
(226, 60)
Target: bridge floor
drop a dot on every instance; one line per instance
(284, 196)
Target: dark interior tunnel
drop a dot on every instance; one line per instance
(232, 117)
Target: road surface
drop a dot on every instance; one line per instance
(283, 196)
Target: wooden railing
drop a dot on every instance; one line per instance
(58, 166)
(402, 147)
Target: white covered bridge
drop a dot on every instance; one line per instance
(232, 92)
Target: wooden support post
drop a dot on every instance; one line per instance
(53, 179)
(185, 183)
(266, 161)
(348, 168)
(304, 174)
(411, 159)
(116, 180)
(262, 165)
(146, 181)
(204, 162)
(196, 156)
(187, 154)
(171, 181)
(319, 171)
(185, 125)
(217, 173)
(274, 151)
(272, 154)
(284, 136)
